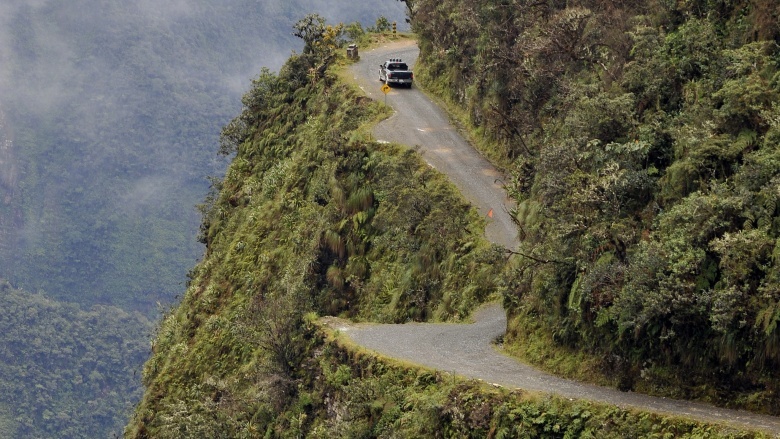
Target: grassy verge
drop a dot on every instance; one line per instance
(398, 399)
(528, 342)
(438, 90)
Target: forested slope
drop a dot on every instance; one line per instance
(67, 372)
(642, 138)
(312, 218)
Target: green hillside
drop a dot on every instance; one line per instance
(310, 217)
(67, 372)
(314, 218)
(642, 140)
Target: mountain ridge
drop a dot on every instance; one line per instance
(303, 225)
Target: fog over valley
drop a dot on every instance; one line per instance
(112, 112)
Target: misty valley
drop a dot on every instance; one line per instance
(110, 114)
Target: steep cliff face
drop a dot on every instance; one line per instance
(643, 142)
(310, 217)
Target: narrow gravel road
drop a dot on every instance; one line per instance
(467, 350)
(418, 122)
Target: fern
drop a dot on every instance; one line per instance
(335, 243)
(335, 277)
(768, 317)
(575, 295)
(361, 199)
(503, 433)
(750, 220)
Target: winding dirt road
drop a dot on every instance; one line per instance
(467, 350)
(420, 123)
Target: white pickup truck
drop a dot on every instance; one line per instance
(395, 71)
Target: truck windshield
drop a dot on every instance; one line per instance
(397, 67)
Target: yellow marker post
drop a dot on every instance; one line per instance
(385, 90)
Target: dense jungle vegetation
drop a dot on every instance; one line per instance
(312, 218)
(67, 372)
(642, 141)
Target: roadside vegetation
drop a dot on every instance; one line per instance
(313, 218)
(642, 143)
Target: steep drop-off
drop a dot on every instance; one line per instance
(115, 109)
(67, 372)
(313, 217)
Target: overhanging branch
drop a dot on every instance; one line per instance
(541, 261)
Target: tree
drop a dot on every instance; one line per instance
(321, 43)
(310, 29)
(383, 24)
(354, 31)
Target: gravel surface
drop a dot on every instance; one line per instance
(418, 122)
(468, 350)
